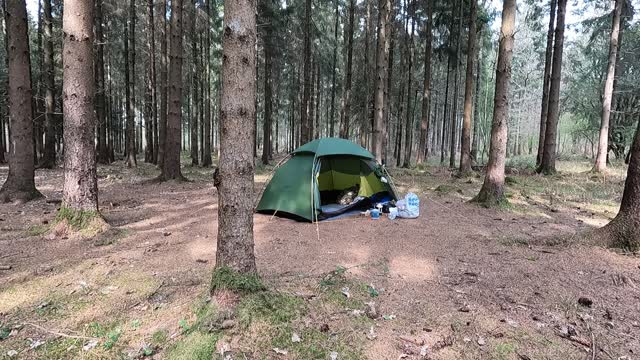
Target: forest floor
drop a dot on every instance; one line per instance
(459, 282)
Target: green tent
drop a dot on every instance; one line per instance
(317, 172)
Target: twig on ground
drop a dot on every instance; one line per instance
(5, 267)
(57, 333)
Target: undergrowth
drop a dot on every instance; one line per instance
(225, 278)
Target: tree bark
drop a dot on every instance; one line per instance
(195, 100)
(423, 144)
(171, 164)
(130, 52)
(333, 71)
(548, 163)
(476, 107)
(266, 129)
(456, 86)
(20, 185)
(162, 119)
(547, 80)
(345, 112)
(152, 120)
(465, 153)
(624, 230)
(235, 177)
(48, 160)
(80, 189)
(492, 191)
(603, 143)
(382, 60)
(305, 126)
(408, 141)
(206, 159)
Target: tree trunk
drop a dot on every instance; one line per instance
(408, 140)
(333, 72)
(130, 80)
(456, 87)
(548, 163)
(195, 100)
(305, 126)
(624, 230)
(235, 177)
(476, 107)
(465, 153)
(152, 120)
(547, 80)
(423, 144)
(162, 120)
(443, 138)
(206, 159)
(266, 129)
(603, 143)
(345, 112)
(80, 188)
(382, 60)
(492, 192)
(171, 163)
(20, 185)
(48, 160)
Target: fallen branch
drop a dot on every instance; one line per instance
(417, 342)
(57, 333)
(5, 267)
(575, 339)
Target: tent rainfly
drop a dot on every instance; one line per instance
(308, 184)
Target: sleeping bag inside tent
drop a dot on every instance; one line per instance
(311, 185)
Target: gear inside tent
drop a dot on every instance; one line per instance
(326, 178)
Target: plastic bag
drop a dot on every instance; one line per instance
(409, 207)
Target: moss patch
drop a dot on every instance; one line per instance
(225, 278)
(194, 346)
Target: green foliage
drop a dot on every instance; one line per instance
(112, 338)
(77, 219)
(194, 346)
(270, 307)
(504, 351)
(159, 337)
(225, 278)
(37, 230)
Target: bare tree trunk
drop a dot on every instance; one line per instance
(456, 87)
(333, 72)
(162, 124)
(426, 95)
(266, 129)
(547, 80)
(382, 59)
(603, 143)
(152, 120)
(345, 112)
(48, 160)
(443, 138)
(408, 140)
(20, 185)
(305, 126)
(235, 177)
(548, 163)
(465, 154)
(624, 230)
(476, 107)
(206, 159)
(171, 163)
(130, 52)
(367, 118)
(80, 189)
(492, 192)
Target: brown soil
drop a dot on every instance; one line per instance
(469, 282)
